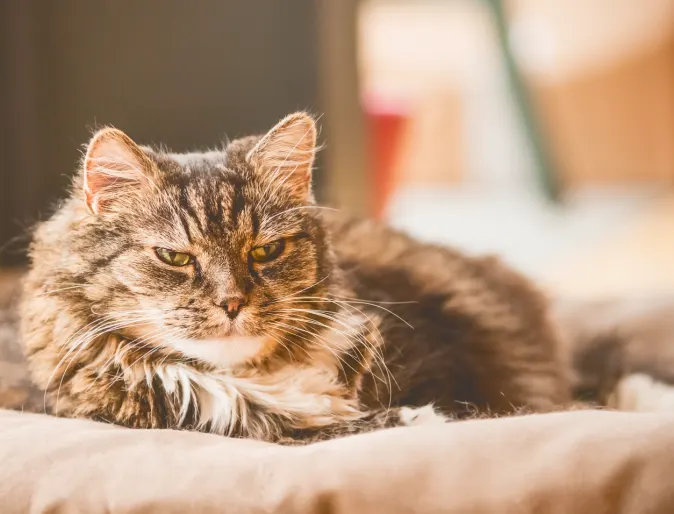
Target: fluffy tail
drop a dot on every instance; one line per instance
(621, 352)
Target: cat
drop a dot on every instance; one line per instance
(208, 291)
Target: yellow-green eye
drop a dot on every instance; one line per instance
(173, 258)
(267, 252)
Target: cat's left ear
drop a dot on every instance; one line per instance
(114, 169)
(286, 154)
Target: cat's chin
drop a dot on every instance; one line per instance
(224, 352)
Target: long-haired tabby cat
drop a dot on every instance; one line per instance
(207, 291)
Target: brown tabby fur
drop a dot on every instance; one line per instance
(356, 321)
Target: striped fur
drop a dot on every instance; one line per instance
(324, 344)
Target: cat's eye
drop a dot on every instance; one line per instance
(173, 258)
(266, 253)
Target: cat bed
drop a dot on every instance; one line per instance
(583, 461)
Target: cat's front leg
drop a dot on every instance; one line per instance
(391, 417)
(426, 415)
(373, 420)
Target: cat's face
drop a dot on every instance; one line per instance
(206, 253)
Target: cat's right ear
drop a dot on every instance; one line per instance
(113, 167)
(286, 154)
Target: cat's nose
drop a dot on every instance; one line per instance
(233, 305)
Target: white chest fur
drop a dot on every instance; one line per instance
(227, 403)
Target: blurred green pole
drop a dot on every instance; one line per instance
(544, 167)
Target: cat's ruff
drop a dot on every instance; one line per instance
(304, 397)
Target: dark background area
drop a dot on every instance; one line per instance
(185, 74)
(431, 112)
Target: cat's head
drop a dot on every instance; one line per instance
(214, 254)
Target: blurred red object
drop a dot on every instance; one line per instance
(386, 122)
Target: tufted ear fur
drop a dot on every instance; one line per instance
(286, 154)
(113, 167)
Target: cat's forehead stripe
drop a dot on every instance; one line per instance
(214, 206)
(189, 216)
(217, 203)
(238, 203)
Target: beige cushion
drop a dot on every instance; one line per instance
(594, 462)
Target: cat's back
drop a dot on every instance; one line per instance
(481, 331)
(370, 248)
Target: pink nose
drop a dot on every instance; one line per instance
(233, 305)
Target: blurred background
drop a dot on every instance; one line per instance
(542, 130)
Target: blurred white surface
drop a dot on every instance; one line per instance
(534, 236)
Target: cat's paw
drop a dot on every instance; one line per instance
(639, 392)
(414, 416)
